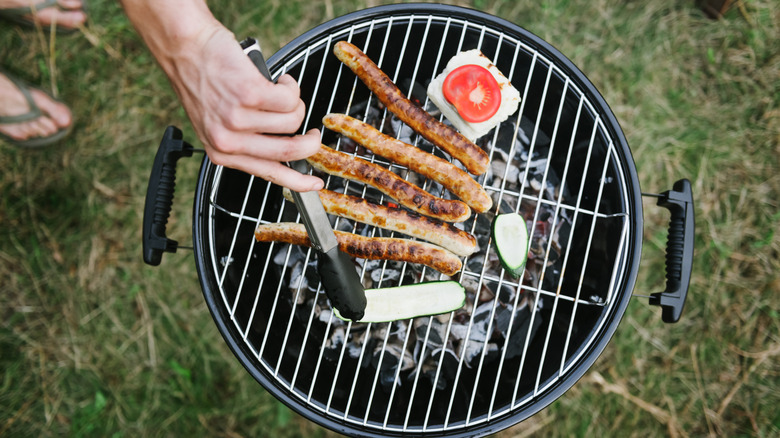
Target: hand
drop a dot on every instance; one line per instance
(238, 114)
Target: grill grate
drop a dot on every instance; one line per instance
(369, 375)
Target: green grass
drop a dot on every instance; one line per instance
(95, 343)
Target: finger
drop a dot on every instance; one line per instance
(283, 96)
(254, 121)
(273, 172)
(269, 147)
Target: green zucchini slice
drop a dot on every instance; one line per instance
(510, 237)
(410, 301)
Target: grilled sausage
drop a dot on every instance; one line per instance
(371, 248)
(442, 171)
(407, 194)
(445, 137)
(396, 219)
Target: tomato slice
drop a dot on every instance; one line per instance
(473, 91)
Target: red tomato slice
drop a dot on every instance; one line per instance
(473, 91)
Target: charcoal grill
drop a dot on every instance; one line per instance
(518, 344)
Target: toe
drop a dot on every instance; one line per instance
(69, 18)
(56, 111)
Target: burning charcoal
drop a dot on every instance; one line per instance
(336, 338)
(370, 265)
(515, 344)
(505, 139)
(344, 225)
(561, 235)
(298, 279)
(401, 131)
(436, 334)
(324, 314)
(358, 111)
(296, 254)
(475, 263)
(528, 129)
(447, 369)
(393, 355)
(507, 293)
(355, 344)
(486, 294)
(595, 299)
(226, 261)
(503, 171)
(478, 336)
(385, 275)
(508, 204)
(536, 184)
(482, 227)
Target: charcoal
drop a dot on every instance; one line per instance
(438, 345)
(515, 343)
(392, 357)
(447, 369)
(298, 280)
(386, 276)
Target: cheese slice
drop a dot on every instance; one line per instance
(510, 97)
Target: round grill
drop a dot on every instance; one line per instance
(518, 344)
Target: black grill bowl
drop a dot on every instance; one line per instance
(286, 349)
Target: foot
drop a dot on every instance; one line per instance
(69, 15)
(55, 116)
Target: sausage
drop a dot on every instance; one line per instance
(371, 248)
(396, 219)
(445, 137)
(440, 170)
(407, 194)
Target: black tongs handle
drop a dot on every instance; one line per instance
(337, 272)
(257, 58)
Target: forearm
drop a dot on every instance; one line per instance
(236, 112)
(171, 28)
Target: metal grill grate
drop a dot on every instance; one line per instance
(399, 377)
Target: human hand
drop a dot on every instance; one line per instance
(239, 115)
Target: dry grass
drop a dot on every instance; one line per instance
(94, 343)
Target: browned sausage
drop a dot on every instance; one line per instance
(407, 194)
(396, 219)
(445, 137)
(371, 248)
(440, 170)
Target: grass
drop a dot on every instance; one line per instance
(95, 343)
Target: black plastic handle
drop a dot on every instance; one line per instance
(679, 251)
(159, 195)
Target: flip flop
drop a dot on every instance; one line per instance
(24, 15)
(34, 113)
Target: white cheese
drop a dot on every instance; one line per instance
(510, 97)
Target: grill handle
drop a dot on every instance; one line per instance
(679, 250)
(159, 195)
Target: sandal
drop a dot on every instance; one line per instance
(25, 15)
(34, 113)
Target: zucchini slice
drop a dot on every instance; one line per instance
(410, 301)
(510, 237)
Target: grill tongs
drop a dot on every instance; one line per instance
(337, 273)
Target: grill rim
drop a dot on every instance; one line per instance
(625, 286)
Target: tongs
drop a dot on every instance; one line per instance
(337, 272)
